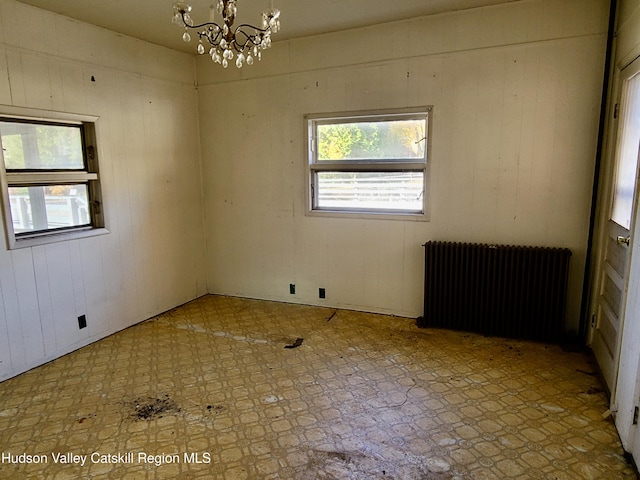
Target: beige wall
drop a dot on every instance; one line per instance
(150, 168)
(516, 95)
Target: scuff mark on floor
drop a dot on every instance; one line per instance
(149, 408)
(239, 338)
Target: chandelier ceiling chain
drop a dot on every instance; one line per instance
(244, 42)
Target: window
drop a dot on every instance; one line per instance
(50, 183)
(369, 163)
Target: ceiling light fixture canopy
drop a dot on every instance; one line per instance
(244, 42)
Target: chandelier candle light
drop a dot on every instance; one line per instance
(244, 42)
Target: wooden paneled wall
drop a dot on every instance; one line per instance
(151, 260)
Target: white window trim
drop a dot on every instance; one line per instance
(312, 166)
(7, 178)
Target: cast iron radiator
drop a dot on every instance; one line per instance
(497, 290)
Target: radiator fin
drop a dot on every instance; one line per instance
(498, 290)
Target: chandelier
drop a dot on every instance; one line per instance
(244, 42)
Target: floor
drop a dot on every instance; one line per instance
(229, 388)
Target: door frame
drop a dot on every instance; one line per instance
(619, 406)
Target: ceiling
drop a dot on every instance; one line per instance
(150, 20)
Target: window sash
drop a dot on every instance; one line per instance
(366, 119)
(368, 166)
(48, 178)
(36, 211)
(44, 145)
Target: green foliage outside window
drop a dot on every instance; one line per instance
(403, 139)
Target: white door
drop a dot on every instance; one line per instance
(626, 402)
(615, 246)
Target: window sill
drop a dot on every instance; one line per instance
(55, 238)
(406, 217)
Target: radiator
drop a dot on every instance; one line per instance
(496, 290)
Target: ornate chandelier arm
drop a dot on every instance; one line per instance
(187, 22)
(261, 30)
(255, 39)
(213, 39)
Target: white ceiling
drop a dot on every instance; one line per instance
(150, 20)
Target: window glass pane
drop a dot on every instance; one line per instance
(41, 147)
(389, 191)
(628, 157)
(42, 208)
(384, 140)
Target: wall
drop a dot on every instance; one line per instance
(149, 162)
(516, 94)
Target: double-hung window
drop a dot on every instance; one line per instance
(50, 182)
(369, 163)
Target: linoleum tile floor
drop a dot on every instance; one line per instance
(210, 390)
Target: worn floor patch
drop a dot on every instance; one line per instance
(335, 465)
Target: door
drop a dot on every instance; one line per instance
(616, 236)
(626, 402)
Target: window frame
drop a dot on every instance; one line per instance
(315, 166)
(88, 175)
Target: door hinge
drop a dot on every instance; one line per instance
(616, 109)
(635, 415)
(593, 321)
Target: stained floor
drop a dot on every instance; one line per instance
(208, 390)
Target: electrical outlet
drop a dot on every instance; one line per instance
(292, 289)
(321, 293)
(82, 322)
